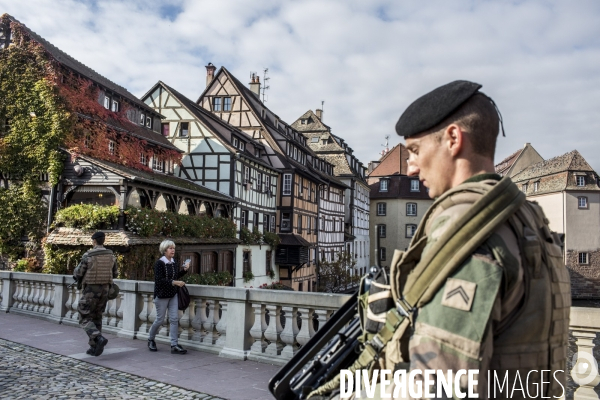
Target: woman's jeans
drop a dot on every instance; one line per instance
(161, 309)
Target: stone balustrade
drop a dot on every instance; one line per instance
(262, 325)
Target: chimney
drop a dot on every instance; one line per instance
(255, 85)
(319, 114)
(210, 73)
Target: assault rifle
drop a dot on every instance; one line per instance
(334, 346)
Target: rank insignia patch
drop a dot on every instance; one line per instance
(459, 294)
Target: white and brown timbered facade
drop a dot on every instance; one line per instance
(302, 172)
(350, 171)
(226, 159)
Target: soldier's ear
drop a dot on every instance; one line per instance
(454, 139)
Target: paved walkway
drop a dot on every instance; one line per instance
(40, 359)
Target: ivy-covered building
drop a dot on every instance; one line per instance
(71, 136)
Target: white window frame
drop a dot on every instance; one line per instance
(383, 185)
(382, 231)
(287, 184)
(246, 174)
(580, 180)
(106, 102)
(413, 229)
(409, 211)
(115, 106)
(415, 185)
(582, 202)
(536, 186)
(583, 258)
(111, 147)
(142, 118)
(148, 122)
(220, 104)
(381, 209)
(230, 103)
(143, 159)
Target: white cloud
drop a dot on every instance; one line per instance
(539, 60)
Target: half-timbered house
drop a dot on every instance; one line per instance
(224, 158)
(116, 153)
(350, 171)
(302, 174)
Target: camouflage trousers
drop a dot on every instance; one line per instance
(91, 306)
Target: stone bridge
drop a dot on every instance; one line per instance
(256, 324)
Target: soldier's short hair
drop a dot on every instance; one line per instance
(479, 119)
(165, 245)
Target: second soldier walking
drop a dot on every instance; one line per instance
(94, 276)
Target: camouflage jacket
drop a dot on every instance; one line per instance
(455, 330)
(84, 264)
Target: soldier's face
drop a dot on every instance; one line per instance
(429, 161)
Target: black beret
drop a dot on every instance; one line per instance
(432, 108)
(98, 235)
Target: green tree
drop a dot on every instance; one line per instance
(337, 276)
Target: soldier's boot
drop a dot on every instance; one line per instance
(152, 345)
(91, 351)
(101, 341)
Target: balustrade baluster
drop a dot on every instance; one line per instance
(221, 326)
(106, 317)
(306, 329)
(273, 330)
(322, 317)
(31, 293)
(18, 295)
(585, 370)
(75, 305)
(41, 306)
(199, 318)
(119, 315)
(144, 314)
(258, 329)
(185, 324)
(288, 335)
(112, 311)
(210, 322)
(34, 306)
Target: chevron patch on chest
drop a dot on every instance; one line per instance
(459, 294)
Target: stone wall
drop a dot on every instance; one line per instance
(585, 279)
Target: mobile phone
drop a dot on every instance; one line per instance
(188, 261)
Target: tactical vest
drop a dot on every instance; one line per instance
(533, 337)
(100, 266)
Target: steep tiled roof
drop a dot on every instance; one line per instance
(213, 122)
(79, 237)
(313, 123)
(558, 174)
(505, 164)
(393, 163)
(167, 181)
(80, 68)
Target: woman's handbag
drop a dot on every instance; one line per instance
(183, 298)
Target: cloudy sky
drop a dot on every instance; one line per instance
(368, 60)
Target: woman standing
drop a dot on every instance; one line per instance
(166, 272)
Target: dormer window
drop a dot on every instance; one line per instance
(107, 102)
(304, 121)
(276, 123)
(315, 139)
(242, 146)
(115, 106)
(256, 152)
(149, 122)
(143, 159)
(235, 142)
(580, 180)
(414, 185)
(142, 119)
(383, 185)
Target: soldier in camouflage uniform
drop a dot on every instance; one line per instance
(94, 275)
(505, 308)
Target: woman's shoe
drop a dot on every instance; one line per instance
(152, 345)
(177, 349)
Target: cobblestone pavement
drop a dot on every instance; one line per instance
(29, 373)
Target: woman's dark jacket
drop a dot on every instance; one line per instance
(164, 275)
